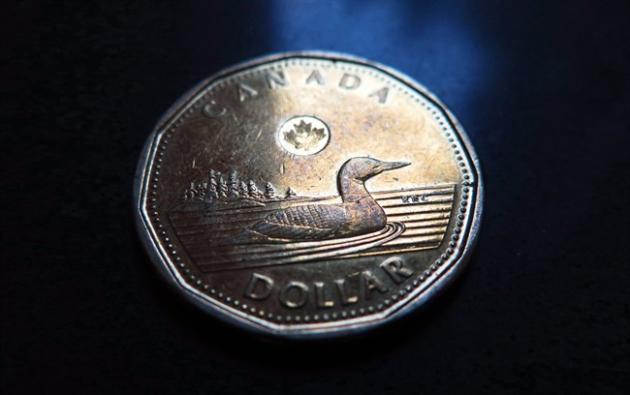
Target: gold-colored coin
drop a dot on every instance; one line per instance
(308, 194)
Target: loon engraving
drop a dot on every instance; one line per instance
(358, 214)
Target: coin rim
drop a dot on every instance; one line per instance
(252, 323)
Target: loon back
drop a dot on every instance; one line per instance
(310, 222)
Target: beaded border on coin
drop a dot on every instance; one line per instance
(425, 285)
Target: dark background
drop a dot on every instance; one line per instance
(541, 87)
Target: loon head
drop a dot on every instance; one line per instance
(362, 169)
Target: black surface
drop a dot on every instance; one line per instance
(541, 87)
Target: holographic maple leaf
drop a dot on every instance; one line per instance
(304, 135)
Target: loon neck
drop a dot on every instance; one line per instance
(352, 191)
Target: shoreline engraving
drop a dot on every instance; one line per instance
(227, 222)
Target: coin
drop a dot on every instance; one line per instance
(308, 194)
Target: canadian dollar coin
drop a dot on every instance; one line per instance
(308, 194)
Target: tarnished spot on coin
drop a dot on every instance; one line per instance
(308, 194)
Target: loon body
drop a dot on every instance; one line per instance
(359, 213)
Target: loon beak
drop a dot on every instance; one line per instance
(392, 165)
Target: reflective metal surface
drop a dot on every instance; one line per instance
(308, 194)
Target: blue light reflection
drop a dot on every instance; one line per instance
(433, 43)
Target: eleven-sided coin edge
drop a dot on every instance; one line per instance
(242, 318)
